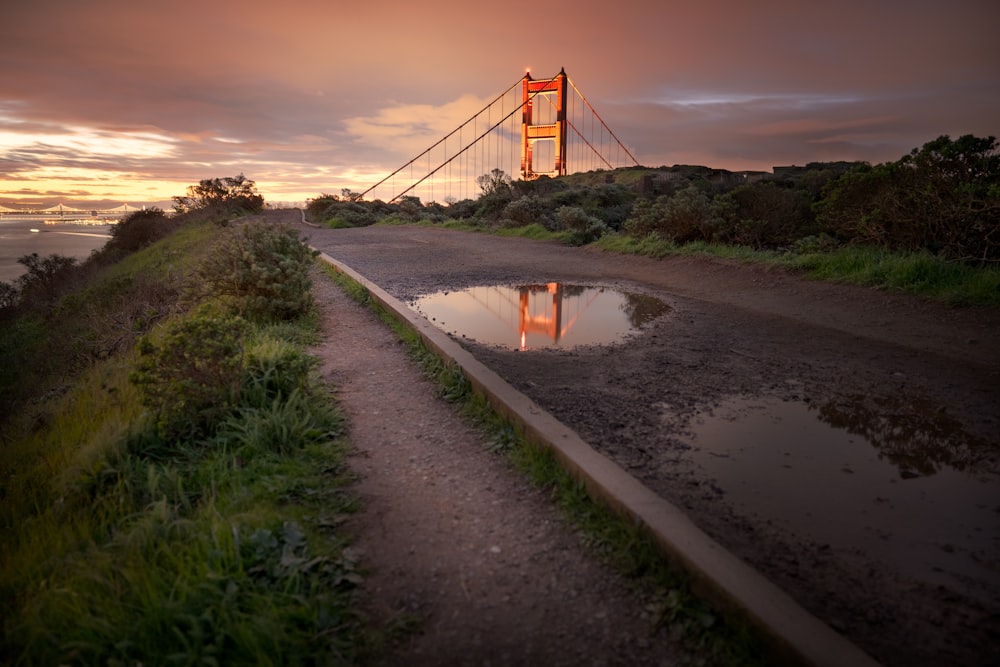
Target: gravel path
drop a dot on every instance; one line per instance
(454, 535)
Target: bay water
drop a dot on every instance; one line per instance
(23, 235)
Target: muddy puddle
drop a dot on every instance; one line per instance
(900, 482)
(540, 316)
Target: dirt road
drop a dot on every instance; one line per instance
(891, 361)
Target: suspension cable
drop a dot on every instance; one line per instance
(485, 148)
(471, 144)
(594, 111)
(437, 143)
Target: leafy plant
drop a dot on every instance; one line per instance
(763, 215)
(689, 215)
(191, 377)
(525, 210)
(262, 269)
(44, 280)
(583, 227)
(137, 231)
(943, 198)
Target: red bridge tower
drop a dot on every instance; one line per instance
(553, 131)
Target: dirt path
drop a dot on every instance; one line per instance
(457, 538)
(906, 365)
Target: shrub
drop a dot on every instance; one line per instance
(584, 227)
(497, 192)
(191, 377)
(943, 198)
(138, 230)
(463, 209)
(263, 270)
(8, 295)
(45, 280)
(689, 215)
(525, 210)
(763, 215)
(353, 215)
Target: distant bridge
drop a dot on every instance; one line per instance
(64, 212)
(535, 128)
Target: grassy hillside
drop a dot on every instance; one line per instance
(172, 471)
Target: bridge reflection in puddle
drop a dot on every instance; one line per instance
(899, 480)
(539, 316)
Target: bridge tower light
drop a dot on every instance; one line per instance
(532, 132)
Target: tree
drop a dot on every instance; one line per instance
(231, 194)
(495, 182)
(497, 193)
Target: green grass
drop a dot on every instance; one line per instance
(118, 546)
(338, 223)
(913, 273)
(533, 231)
(920, 274)
(663, 589)
(461, 225)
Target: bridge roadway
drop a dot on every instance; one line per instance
(734, 329)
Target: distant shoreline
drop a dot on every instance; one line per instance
(25, 235)
(89, 220)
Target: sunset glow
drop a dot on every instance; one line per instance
(113, 101)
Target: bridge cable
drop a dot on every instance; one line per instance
(437, 143)
(473, 143)
(603, 124)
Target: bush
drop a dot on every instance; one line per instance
(191, 377)
(585, 228)
(138, 230)
(463, 209)
(525, 210)
(8, 295)
(44, 281)
(263, 270)
(689, 215)
(943, 198)
(764, 215)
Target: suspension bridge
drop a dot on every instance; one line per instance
(535, 128)
(63, 212)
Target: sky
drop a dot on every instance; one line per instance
(114, 101)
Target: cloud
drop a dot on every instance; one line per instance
(307, 96)
(408, 129)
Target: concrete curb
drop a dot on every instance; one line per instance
(794, 635)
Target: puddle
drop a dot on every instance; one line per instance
(531, 317)
(904, 485)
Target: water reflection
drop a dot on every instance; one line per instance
(835, 474)
(914, 436)
(535, 316)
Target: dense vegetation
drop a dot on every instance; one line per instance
(172, 468)
(928, 222)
